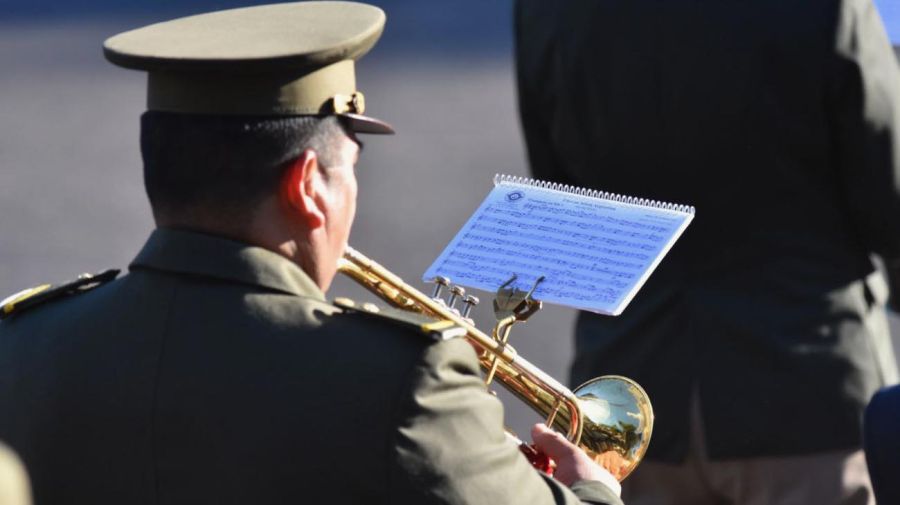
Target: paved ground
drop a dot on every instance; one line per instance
(71, 198)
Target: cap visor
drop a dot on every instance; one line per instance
(365, 124)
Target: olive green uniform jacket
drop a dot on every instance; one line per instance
(215, 372)
(779, 120)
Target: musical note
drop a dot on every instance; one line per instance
(594, 253)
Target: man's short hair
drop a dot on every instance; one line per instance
(226, 165)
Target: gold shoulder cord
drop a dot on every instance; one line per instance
(9, 303)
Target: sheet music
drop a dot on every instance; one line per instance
(595, 253)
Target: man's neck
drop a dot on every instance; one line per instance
(268, 234)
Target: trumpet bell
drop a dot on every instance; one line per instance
(609, 417)
(618, 422)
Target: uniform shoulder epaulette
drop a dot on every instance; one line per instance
(32, 297)
(437, 329)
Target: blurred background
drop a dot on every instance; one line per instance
(71, 195)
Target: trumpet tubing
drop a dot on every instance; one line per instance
(611, 419)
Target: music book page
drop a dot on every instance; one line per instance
(594, 249)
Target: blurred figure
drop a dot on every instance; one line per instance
(14, 488)
(882, 442)
(763, 334)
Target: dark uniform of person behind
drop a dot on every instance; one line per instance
(215, 371)
(882, 443)
(780, 122)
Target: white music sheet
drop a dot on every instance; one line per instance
(594, 253)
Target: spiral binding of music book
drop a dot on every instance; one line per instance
(593, 249)
(590, 193)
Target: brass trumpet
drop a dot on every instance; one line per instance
(609, 417)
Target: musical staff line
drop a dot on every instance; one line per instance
(593, 252)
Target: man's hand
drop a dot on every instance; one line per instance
(572, 464)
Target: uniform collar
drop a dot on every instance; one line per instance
(188, 252)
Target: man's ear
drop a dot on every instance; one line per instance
(301, 186)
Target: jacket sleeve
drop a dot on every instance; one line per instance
(865, 121)
(449, 445)
(882, 443)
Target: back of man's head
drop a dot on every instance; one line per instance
(231, 108)
(219, 168)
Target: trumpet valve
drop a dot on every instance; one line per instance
(469, 302)
(456, 292)
(440, 282)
